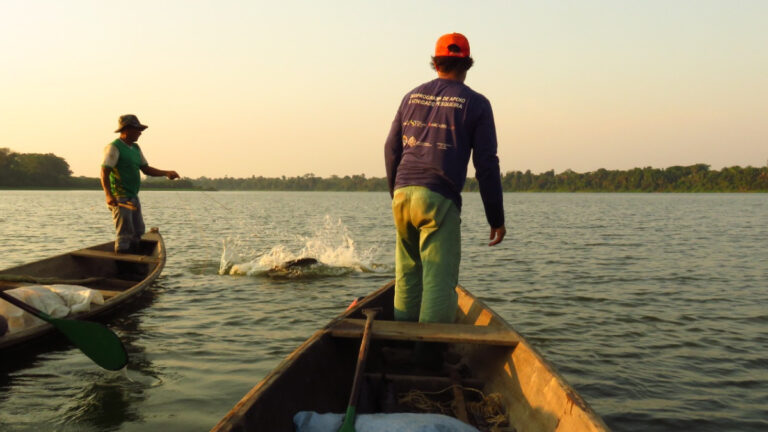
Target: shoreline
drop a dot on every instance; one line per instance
(153, 189)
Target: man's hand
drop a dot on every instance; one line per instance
(111, 200)
(497, 235)
(171, 175)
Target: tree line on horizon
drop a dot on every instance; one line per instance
(34, 170)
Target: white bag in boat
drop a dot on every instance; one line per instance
(77, 298)
(36, 296)
(308, 421)
(58, 301)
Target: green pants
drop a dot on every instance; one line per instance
(427, 255)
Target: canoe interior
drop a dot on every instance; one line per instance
(69, 266)
(318, 377)
(96, 267)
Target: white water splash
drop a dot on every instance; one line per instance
(331, 245)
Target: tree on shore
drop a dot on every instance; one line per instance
(49, 170)
(32, 169)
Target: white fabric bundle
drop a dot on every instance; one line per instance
(308, 421)
(55, 300)
(77, 298)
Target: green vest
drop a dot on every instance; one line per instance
(125, 179)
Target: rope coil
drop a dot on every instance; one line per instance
(490, 409)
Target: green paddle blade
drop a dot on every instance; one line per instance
(99, 343)
(349, 420)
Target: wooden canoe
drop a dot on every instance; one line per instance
(488, 355)
(97, 267)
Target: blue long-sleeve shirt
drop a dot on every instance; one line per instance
(438, 125)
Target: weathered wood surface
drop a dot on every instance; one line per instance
(432, 332)
(493, 359)
(458, 406)
(133, 258)
(426, 381)
(47, 280)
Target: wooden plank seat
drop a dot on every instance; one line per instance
(432, 332)
(92, 253)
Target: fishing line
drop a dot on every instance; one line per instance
(210, 195)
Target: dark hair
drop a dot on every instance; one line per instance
(449, 64)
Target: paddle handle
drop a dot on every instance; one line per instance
(361, 357)
(128, 205)
(23, 306)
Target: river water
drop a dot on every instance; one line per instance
(653, 306)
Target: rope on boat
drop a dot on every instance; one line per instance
(419, 400)
(489, 409)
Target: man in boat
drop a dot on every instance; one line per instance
(438, 126)
(120, 179)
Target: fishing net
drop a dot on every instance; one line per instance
(488, 412)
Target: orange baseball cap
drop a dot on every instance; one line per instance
(444, 46)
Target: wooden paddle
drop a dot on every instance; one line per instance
(99, 343)
(128, 205)
(349, 419)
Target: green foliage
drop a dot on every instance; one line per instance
(694, 178)
(48, 170)
(163, 183)
(307, 182)
(32, 169)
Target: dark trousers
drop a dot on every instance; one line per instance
(129, 226)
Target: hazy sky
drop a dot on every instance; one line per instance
(245, 88)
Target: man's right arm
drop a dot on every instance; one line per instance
(111, 155)
(111, 200)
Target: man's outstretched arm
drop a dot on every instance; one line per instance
(154, 172)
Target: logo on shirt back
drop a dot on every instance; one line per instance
(437, 101)
(413, 142)
(421, 124)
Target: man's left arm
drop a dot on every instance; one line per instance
(488, 173)
(393, 151)
(155, 172)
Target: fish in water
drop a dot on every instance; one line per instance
(294, 264)
(291, 268)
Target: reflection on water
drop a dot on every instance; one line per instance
(104, 405)
(95, 399)
(106, 399)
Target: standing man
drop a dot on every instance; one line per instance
(121, 180)
(438, 125)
